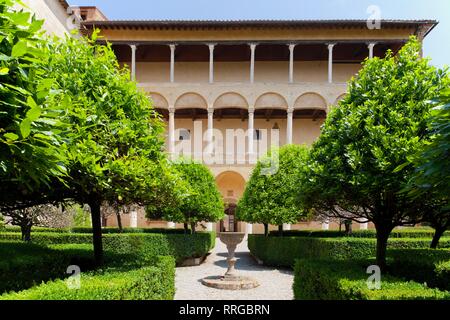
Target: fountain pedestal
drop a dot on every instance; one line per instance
(231, 280)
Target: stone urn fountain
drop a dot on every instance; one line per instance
(231, 280)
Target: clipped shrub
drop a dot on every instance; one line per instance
(347, 280)
(109, 230)
(149, 283)
(428, 266)
(23, 265)
(134, 246)
(397, 233)
(106, 230)
(282, 251)
(36, 229)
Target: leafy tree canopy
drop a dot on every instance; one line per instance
(270, 197)
(113, 137)
(432, 175)
(355, 164)
(30, 146)
(200, 199)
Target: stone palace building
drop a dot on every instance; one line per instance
(232, 89)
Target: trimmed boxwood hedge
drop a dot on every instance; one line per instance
(346, 280)
(23, 265)
(397, 233)
(138, 246)
(282, 251)
(428, 266)
(89, 230)
(149, 283)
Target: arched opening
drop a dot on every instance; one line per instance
(231, 100)
(160, 104)
(270, 117)
(231, 186)
(191, 100)
(310, 111)
(339, 98)
(271, 100)
(310, 105)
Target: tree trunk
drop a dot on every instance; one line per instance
(26, 231)
(348, 227)
(119, 221)
(193, 227)
(280, 230)
(97, 232)
(186, 228)
(266, 229)
(438, 232)
(382, 239)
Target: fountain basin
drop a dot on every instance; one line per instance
(231, 280)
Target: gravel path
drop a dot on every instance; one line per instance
(275, 284)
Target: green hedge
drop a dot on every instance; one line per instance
(422, 265)
(138, 246)
(149, 283)
(397, 233)
(346, 280)
(282, 251)
(23, 265)
(106, 230)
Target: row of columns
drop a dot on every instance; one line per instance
(249, 226)
(362, 226)
(251, 120)
(290, 112)
(252, 61)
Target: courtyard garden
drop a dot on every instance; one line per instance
(76, 133)
(382, 158)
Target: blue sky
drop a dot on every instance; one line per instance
(437, 44)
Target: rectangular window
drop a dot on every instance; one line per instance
(257, 134)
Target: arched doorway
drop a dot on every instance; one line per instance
(231, 185)
(229, 223)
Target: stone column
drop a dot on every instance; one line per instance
(251, 119)
(330, 62)
(291, 63)
(211, 62)
(209, 226)
(172, 62)
(171, 225)
(249, 228)
(290, 117)
(252, 62)
(325, 226)
(363, 226)
(171, 131)
(133, 219)
(371, 46)
(133, 61)
(210, 132)
(287, 226)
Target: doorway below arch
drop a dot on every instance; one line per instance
(231, 185)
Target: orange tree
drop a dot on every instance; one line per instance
(114, 143)
(432, 175)
(30, 147)
(356, 167)
(198, 199)
(269, 196)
